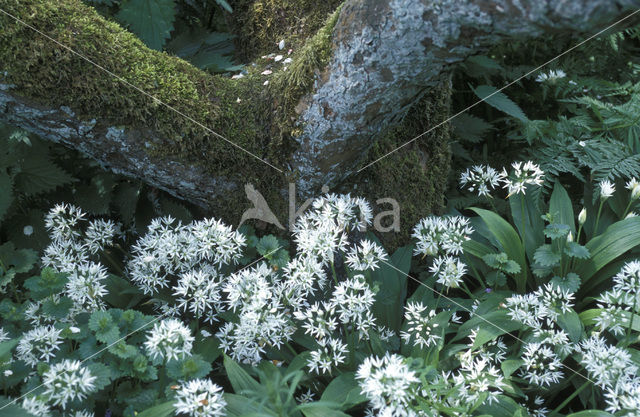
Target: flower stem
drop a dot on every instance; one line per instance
(571, 397)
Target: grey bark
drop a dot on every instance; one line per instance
(385, 54)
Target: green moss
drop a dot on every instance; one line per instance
(415, 175)
(54, 76)
(261, 24)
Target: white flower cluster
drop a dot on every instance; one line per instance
(421, 326)
(615, 372)
(551, 76)
(169, 339)
(39, 345)
(481, 179)
(621, 302)
(71, 251)
(67, 381)
(521, 176)
(200, 398)
(169, 249)
(445, 235)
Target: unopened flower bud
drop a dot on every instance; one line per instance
(582, 217)
(630, 215)
(570, 237)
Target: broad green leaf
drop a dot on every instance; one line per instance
(240, 380)
(619, 238)
(509, 366)
(511, 244)
(576, 250)
(560, 206)
(320, 409)
(470, 128)
(503, 407)
(533, 234)
(591, 413)
(241, 406)
(151, 20)
(392, 280)
(344, 390)
(570, 323)
(188, 368)
(570, 283)
(6, 347)
(500, 101)
(21, 260)
(161, 410)
(493, 324)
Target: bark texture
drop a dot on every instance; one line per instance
(358, 76)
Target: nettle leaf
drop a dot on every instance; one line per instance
(151, 20)
(57, 308)
(267, 245)
(188, 368)
(39, 175)
(101, 323)
(556, 231)
(123, 350)
(496, 279)
(500, 101)
(576, 250)
(569, 283)
(546, 256)
(21, 260)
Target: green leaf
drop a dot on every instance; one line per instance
(241, 406)
(556, 231)
(494, 98)
(493, 323)
(546, 256)
(569, 283)
(224, 5)
(102, 373)
(591, 413)
(576, 250)
(509, 366)
(151, 20)
(267, 245)
(570, 323)
(509, 241)
(561, 207)
(161, 410)
(188, 368)
(619, 238)
(40, 175)
(470, 128)
(6, 193)
(57, 309)
(533, 234)
(240, 380)
(319, 409)
(344, 390)
(21, 260)
(103, 326)
(6, 347)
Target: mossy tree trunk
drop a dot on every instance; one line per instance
(353, 78)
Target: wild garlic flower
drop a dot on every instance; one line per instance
(493, 351)
(305, 274)
(441, 233)
(389, 384)
(622, 301)
(36, 406)
(39, 345)
(551, 76)
(606, 364)
(170, 248)
(169, 339)
(628, 279)
(64, 255)
(330, 354)
(541, 365)
(86, 286)
(481, 179)
(365, 256)
(634, 187)
(200, 398)
(318, 320)
(521, 176)
(81, 413)
(306, 397)
(199, 292)
(606, 189)
(67, 381)
(421, 329)
(553, 301)
(478, 378)
(62, 221)
(624, 397)
(449, 270)
(352, 299)
(99, 234)
(524, 308)
(4, 335)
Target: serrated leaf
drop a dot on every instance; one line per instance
(546, 256)
(556, 231)
(500, 101)
(267, 245)
(188, 368)
(102, 373)
(151, 20)
(576, 250)
(39, 175)
(6, 193)
(58, 309)
(470, 128)
(569, 283)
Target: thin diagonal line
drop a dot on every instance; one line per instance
(479, 316)
(129, 334)
(497, 91)
(122, 80)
